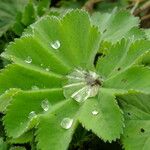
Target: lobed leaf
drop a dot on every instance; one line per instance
(122, 56)
(108, 117)
(114, 26)
(43, 58)
(24, 103)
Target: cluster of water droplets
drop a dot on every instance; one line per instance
(66, 123)
(82, 84)
(28, 60)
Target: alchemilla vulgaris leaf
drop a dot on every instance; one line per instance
(54, 84)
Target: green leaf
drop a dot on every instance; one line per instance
(22, 77)
(57, 136)
(70, 53)
(25, 138)
(78, 46)
(28, 15)
(43, 6)
(108, 117)
(116, 25)
(18, 14)
(147, 32)
(39, 54)
(136, 106)
(18, 53)
(135, 33)
(24, 103)
(135, 78)
(121, 56)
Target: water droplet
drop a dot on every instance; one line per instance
(80, 95)
(32, 114)
(94, 90)
(47, 69)
(45, 105)
(55, 44)
(28, 60)
(77, 97)
(66, 123)
(95, 112)
(34, 87)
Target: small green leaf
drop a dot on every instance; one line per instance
(116, 25)
(8, 13)
(28, 16)
(43, 6)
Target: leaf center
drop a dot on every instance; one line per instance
(82, 84)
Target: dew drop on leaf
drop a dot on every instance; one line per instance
(34, 87)
(28, 60)
(32, 114)
(55, 44)
(45, 105)
(95, 112)
(66, 123)
(77, 97)
(47, 69)
(82, 84)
